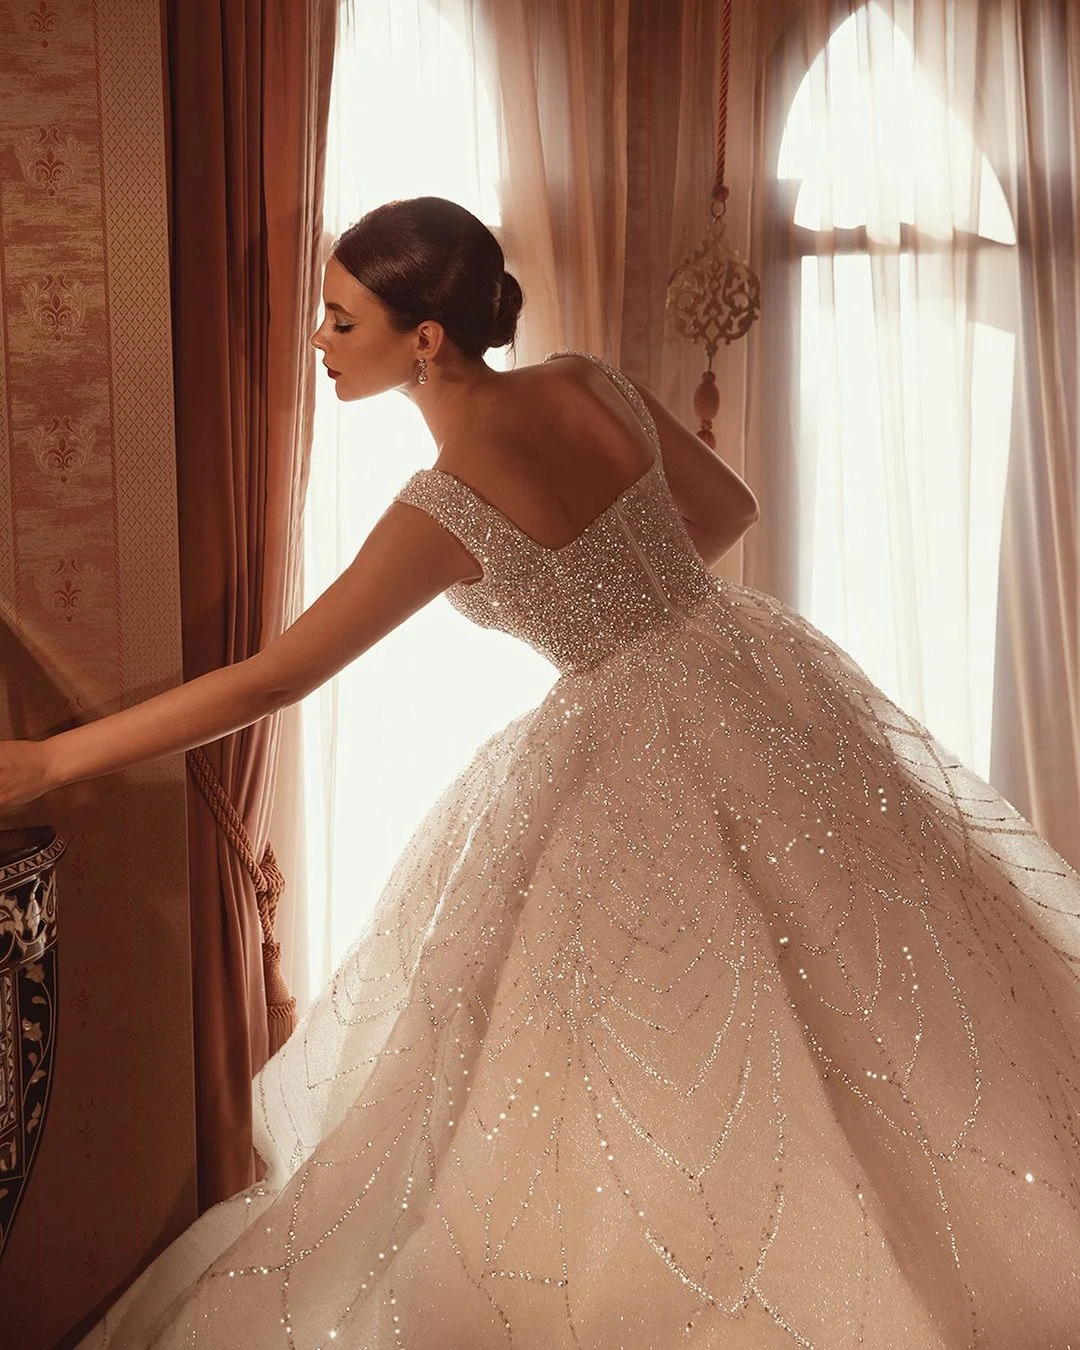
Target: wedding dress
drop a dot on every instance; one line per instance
(714, 1004)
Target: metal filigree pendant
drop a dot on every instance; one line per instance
(714, 296)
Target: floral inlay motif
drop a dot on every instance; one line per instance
(27, 921)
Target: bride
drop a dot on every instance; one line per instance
(714, 1004)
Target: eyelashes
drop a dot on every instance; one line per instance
(343, 327)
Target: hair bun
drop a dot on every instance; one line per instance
(506, 316)
(430, 258)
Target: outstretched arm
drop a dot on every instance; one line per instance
(406, 560)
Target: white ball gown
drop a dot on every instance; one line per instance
(714, 1004)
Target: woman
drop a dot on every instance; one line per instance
(713, 1004)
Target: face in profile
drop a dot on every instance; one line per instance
(362, 353)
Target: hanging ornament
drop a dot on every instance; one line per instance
(714, 295)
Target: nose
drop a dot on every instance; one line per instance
(315, 341)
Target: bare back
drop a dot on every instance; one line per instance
(553, 449)
(558, 443)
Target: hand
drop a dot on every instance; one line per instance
(24, 772)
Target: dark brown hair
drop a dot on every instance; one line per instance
(428, 258)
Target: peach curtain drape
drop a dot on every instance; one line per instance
(248, 97)
(1034, 132)
(561, 70)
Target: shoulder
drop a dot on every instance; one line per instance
(566, 360)
(555, 367)
(575, 365)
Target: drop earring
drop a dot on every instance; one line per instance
(421, 374)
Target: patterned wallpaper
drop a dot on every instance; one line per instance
(89, 621)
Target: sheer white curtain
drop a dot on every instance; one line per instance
(908, 187)
(906, 354)
(410, 115)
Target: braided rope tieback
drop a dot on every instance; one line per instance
(269, 884)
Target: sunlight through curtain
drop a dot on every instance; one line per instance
(910, 404)
(410, 115)
(906, 376)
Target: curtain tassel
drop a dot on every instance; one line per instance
(269, 883)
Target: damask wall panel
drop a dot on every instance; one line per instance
(89, 622)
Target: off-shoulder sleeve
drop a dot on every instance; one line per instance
(457, 508)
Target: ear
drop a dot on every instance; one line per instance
(430, 336)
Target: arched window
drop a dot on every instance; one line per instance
(410, 115)
(904, 390)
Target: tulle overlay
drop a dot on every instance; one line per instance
(714, 1004)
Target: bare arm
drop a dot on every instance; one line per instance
(405, 562)
(716, 505)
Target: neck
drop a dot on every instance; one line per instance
(454, 396)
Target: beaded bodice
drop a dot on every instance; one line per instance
(632, 571)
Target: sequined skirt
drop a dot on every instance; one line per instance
(713, 1005)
